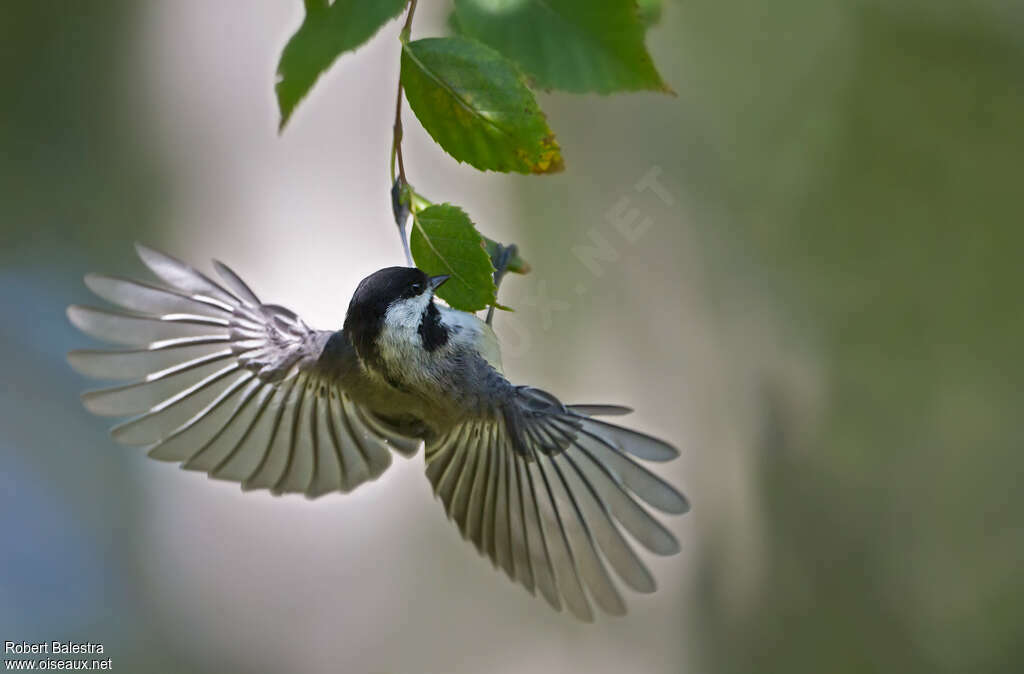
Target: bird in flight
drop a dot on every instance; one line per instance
(225, 384)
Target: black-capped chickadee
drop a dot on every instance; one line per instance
(246, 391)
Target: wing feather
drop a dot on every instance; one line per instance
(591, 567)
(647, 531)
(557, 540)
(151, 299)
(464, 481)
(478, 490)
(517, 505)
(488, 537)
(449, 477)
(138, 363)
(182, 415)
(247, 453)
(208, 455)
(236, 285)
(642, 482)
(157, 392)
(228, 385)
(328, 476)
(545, 492)
(638, 444)
(538, 555)
(127, 329)
(502, 525)
(614, 546)
(439, 456)
(299, 468)
(355, 456)
(182, 277)
(275, 432)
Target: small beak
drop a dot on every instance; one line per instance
(437, 281)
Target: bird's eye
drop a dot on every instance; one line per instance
(417, 287)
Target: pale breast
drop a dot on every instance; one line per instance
(466, 330)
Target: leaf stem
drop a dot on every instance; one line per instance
(407, 28)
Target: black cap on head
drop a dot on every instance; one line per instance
(371, 300)
(384, 286)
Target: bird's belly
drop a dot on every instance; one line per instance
(414, 412)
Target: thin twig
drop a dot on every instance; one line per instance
(396, 138)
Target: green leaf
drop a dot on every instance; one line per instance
(452, 24)
(475, 104)
(574, 45)
(444, 241)
(650, 12)
(324, 35)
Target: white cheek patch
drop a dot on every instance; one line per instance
(406, 314)
(399, 336)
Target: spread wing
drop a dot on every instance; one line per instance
(543, 489)
(227, 385)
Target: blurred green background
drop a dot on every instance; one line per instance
(825, 317)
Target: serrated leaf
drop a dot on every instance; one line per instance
(325, 34)
(444, 241)
(475, 104)
(573, 45)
